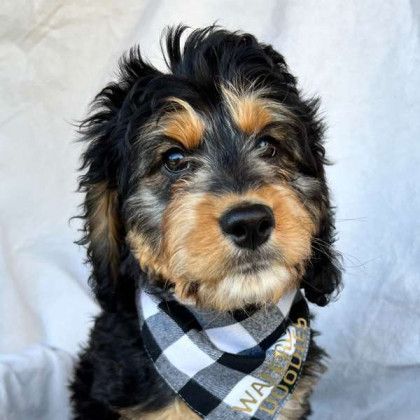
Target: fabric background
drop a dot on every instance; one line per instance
(362, 58)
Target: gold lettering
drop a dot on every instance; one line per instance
(283, 388)
(245, 403)
(265, 376)
(281, 392)
(258, 386)
(275, 367)
(300, 335)
(285, 345)
(269, 405)
(297, 364)
(300, 350)
(280, 354)
(301, 322)
(288, 380)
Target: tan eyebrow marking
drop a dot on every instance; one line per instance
(251, 111)
(183, 124)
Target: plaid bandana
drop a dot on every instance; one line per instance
(227, 365)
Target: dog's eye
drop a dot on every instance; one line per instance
(266, 147)
(175, 160)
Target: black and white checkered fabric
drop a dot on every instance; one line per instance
(227, 365)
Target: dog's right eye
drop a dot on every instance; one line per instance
(175, 160)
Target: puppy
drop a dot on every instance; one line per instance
(208, 226)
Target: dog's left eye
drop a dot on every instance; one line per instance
(266, 147)
(175, 160)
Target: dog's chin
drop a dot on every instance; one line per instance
(249, 285)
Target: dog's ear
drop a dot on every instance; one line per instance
(323, 274)
(323, 277)
(105, 162)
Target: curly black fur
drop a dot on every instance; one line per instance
(113, 371)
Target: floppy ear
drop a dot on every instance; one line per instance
(105, 161)
(323, 275)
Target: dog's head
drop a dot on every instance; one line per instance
(211, 177)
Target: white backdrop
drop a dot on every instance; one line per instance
(363, 58)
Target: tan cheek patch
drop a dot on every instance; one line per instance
(196, 245)
(196, 256)
(149, 260)
(294, 226)
(193, 240)
(206, 238)
(292, 234)
(183, 125)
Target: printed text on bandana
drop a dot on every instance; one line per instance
(285, 360)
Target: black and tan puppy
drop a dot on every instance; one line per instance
(206, 182)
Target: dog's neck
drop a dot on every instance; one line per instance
(212, 359)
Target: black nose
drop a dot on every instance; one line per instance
(249, 226)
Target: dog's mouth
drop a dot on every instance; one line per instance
(255, 262)
(252, 283)
(245, 278)
(253, 268)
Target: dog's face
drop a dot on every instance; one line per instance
(218, 206)
(212, 177)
